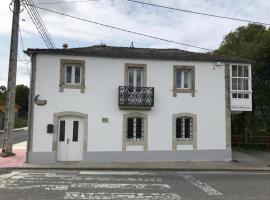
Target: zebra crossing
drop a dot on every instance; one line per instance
(88, 185)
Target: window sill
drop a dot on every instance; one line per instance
(72, 86)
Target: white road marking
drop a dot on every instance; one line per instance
(203, 186)
(93, 178)
(14, 186)
(119, 186)
(226, 172)
(116, 173)
(122, 196)
(9, 175)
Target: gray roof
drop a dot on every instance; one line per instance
(139, 53)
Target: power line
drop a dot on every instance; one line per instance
(37, 20)
(25, 61)
(64, 2)
(198, 13)
(121, 29)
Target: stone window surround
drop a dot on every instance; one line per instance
(58, 115)
(144, 69)
(193, 141)
(192, 78)
(62, 84)
(143, 142)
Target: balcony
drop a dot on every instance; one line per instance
(135, 98)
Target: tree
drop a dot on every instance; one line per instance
(252, 42)
(22, 93)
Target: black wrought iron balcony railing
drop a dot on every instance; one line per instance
(136, 97)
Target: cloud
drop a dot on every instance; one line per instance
(178, 26)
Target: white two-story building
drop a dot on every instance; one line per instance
(119, 104)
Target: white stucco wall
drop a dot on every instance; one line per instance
(103, 76)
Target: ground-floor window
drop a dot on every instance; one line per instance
(184, 126)
(135, 130)
(184, 130)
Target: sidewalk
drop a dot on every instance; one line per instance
(16, 129)
(17, 160)
(242, 162)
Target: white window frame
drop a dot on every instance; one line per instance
(73, 67)
(182, 71)
(241, 92)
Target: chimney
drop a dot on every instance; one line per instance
(65, 46)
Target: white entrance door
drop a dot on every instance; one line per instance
(135, 77)
(70, 139)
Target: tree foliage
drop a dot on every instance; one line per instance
(252, 42)
(22, 93)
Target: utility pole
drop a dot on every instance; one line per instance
(11, 85)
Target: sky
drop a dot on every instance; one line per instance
(182, 27)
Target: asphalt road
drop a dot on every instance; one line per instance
(18, 136)
(134, 185)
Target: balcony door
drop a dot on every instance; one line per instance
(135, 77)
(70, 134)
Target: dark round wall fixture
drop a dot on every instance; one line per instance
(39, 101)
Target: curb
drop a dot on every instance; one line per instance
(254, 169)
(17, 129)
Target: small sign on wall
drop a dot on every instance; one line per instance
(105, 119)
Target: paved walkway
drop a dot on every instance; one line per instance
(241, 161)
(17, 160)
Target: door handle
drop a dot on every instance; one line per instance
(68, 141)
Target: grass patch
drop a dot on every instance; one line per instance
(20, 122)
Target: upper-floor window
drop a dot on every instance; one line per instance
(240, 81)
(184, 80)
(72, 74)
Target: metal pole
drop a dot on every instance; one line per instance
(11, 85)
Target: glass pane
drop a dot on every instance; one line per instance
(68, 74)
(139, 78)
(178, 77)
(245, 83)
(240, 71)
(240, 95)
(246, 71)
(77, 74)
(239, 84)
(129, 127)
(139, 124)
(246, 96)
(234, 71)
(131, 78)
(179, 128)
(75, 131)
(187, 127)
(62, 131)
(234, 95)
(234, 83)
(186, 79)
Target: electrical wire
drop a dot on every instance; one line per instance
(198, 13)
(120, 29)
(166, 7)
(63, 2)
(37, 20)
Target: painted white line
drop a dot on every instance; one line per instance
(92, 178)
(116, 173)
(122, 196)
(14, 186)
(119, 186)
(9, 175)
(225, 172)
(203, 186)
